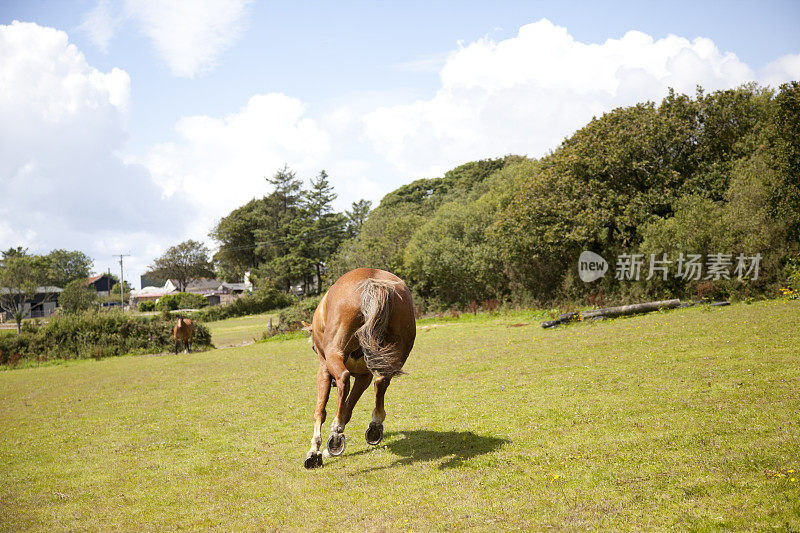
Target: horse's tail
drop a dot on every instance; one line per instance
(376, 306)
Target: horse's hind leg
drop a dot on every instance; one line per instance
(336, 442)
(360, 384)
(374, 433)
(314, 457)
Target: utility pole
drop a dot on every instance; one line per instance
(121, 280)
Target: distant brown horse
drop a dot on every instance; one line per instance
(184, 330)
(364, 326)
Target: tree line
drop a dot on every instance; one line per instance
(713, 176)
(716, 174)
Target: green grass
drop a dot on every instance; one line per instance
(240, 330)
(682, 420)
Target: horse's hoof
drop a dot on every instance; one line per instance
(374, 434)
(313, 460)
(336, 444)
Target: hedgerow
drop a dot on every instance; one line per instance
(95, 335)
(261, 301)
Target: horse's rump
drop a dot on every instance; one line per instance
(377, 296)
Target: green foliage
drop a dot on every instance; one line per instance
(356, 216)
(691, 175)
(92, 334)
(390, 227)
(451, 260)
(77, 297)
(262, 300)
(236, 234)
(66, 266)
(183, 262)
(180, 300)
(20, 275)
(168, 302)
(291, 318)
(146, 306)
(283, 238)
(784, 199)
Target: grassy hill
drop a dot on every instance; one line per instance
(686, 419)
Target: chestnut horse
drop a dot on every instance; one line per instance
(184, 329)
(363, 327)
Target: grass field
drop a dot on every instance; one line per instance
(240, 330)
(682, 420)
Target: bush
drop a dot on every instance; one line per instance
(77, 297)
(95, 335)
(167, 303)
(181, 300)
(290, 318)
(148, 305)
(261, 301)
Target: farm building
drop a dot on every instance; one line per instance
(43, 304)
(102, 284)
(149, 294)
(214, 291)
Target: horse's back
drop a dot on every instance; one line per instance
(339, 314)
(343, 299)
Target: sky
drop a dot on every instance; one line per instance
(129, 126)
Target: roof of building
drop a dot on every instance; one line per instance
(93, 279)
(150, 291)
(235, 286)
(39, 290)
(202, 284)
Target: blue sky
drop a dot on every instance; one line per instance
(178, 109)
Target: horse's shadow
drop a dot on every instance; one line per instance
(452, 448)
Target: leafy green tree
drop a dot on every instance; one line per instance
(278, 237)
(451, 260)
(784, 198)
(66, 266)
(20, 276)
(183, 263)
(388, 229)
(77, 296)
(356, 216)
(236, 234)
(19, 251)
(325, 230)
(619, 173)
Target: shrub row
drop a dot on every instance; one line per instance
(96, 335)
(261, 301)
(181, 300)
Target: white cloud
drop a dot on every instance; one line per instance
(100, 25)
(783, 69)
(62, 122)
(189, 35)
(220, 163)
(525, 94)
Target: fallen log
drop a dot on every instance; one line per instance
(611, 312)
(633, 309)
(562, 319)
